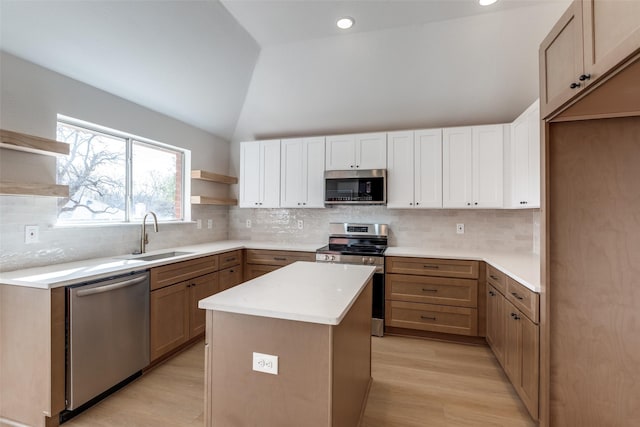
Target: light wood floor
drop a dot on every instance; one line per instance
(416, 383)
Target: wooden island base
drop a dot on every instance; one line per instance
(324, 370)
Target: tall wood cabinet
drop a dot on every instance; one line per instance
(414, 169)
(472, 167)
(589, 40)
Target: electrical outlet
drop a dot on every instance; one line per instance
(199, 224)
(209, 224)
(300, 224)
(460, 228)
(248, 223)
(266, 363)
(31, 233)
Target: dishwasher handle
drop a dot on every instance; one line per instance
(112, 287)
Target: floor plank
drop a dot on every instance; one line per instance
(416, 383)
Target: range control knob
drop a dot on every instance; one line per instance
(326, 258)
(371, 260)
(333, 257)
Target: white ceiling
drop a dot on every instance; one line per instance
(276, 21)
(254, 68)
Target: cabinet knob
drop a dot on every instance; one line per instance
(468, 204)
(298, 203)
(304, 204)
(574, 85)
(357, 166)
(476, 203)
(492, 294)
(351, 166)
(410, 204)
(584, 77)
(417, 203)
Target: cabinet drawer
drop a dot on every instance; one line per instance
(230, 277)
(433, 267)
(524, 299)
(172, 273)
(256, 270)
(282, 258)
(230, 259)
(430, 317)
(496, 278)
(434, 290)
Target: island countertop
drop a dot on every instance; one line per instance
(302, 291)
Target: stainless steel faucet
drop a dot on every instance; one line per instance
(144, 237)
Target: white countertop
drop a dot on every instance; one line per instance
(302, 291)
(522, 267)
(56, 275)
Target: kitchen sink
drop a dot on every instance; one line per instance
(158, 256)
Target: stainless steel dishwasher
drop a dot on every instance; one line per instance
(107, 334)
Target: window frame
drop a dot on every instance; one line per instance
(130, 140)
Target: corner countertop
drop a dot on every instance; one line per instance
(302, 291)
(57, 275)
(522, 267)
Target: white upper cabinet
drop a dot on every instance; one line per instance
(260, 174)
(302, 173)
(522, 162)
(472, 167)
(414, 169)
(357, 151)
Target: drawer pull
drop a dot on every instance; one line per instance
(279, 258)
(493, 277)
(427, 318)
(517, 296)
(232, 271)
(230, 259)
(429, 290)
(431, 266)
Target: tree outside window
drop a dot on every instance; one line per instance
(114, 178)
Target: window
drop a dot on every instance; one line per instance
(114, 177)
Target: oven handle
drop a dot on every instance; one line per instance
(108, 288)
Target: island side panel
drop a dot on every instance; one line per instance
(298, 396)
(352, 362)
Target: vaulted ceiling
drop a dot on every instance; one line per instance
(247, 69)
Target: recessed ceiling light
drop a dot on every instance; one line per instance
(346, 22)
(486, 2)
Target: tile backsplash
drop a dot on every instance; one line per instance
(504, 230)
(65, 244)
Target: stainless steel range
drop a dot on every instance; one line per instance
(362, 244)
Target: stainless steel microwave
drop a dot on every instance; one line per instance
(364, 187)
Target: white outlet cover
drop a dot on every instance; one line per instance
(31, 234)
(300, 224)
(209, 224)
(248, 223)
(266, 363)
(199, 224)
(460, 228)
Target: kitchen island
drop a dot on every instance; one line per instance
(316, 318)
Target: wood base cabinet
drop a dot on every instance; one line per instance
(435, 295)
(262, 261)
(514, 335)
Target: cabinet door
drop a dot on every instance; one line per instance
(611, 33)
(340, 152)
(496, 323)
(371, 151)
(530, 372)
(457, 167)
(169, 318)
(400, 172)
(513, 343)
(230, 277)
(292, 169)
(200, 288)
(270, 174)
(313, 158)
(428, 168)
(249, 174)
(488, 145)
(561, 60)
(519, 159)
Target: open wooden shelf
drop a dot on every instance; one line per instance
(213, 177)
(32, 144)
(204, 200)
(23, 189)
